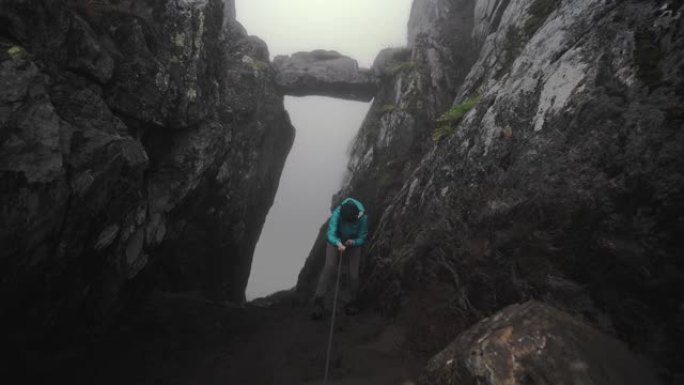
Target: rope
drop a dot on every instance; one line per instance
(332, 320)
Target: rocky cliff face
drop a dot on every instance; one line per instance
(141, 147)
(529, 149)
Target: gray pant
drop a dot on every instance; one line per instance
(353, 254)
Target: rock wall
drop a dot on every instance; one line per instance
(530, 149)
(141, 147)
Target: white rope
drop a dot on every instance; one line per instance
(332, 320)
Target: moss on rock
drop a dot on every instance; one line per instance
(448, 121)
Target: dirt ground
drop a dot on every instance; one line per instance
(183, 340)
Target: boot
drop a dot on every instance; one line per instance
(318, 308)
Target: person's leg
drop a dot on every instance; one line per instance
(328, 269)
(354, 255)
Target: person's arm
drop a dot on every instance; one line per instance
(332, 228)
(363, 231)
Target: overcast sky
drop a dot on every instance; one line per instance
(325, 127)
(357, 28)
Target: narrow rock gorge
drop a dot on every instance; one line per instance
(521, 164)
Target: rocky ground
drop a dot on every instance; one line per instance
(182, 339)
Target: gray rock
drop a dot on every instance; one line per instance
(229, 10)
(440, 33)
(107, 237)
(562, 183)
(536, 343)
(325, 73)
(259, 49)
(139, 148)
(33, 145)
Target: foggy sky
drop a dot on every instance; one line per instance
(312, 174)
(325, 127)
(358, 28)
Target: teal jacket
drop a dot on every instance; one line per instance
(339, 230)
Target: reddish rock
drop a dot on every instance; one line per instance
(534, 343)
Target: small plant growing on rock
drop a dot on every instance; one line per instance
(404, 67)
(387, 108)
(446, 124)
(258, 65)
(539, 10)
(16, 52)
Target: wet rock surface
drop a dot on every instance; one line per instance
(535, 343)
(324, 73)
(562, 181)
(141, 148)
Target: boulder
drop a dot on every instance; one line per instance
(534, 343)
(324, 73)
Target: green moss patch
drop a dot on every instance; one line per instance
(387, 108)
(405, 67)
(258, 65)
(446, 124)
(16, 52)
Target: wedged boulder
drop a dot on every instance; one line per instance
(534, 343)
(324, 73)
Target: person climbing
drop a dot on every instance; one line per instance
(347, 232)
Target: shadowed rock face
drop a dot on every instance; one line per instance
(563, 183)
(141, 146)
(324, 73)
(415, 85)
(535, 343)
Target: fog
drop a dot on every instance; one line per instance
(312, 174)
(358, 28)
(325, 127)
